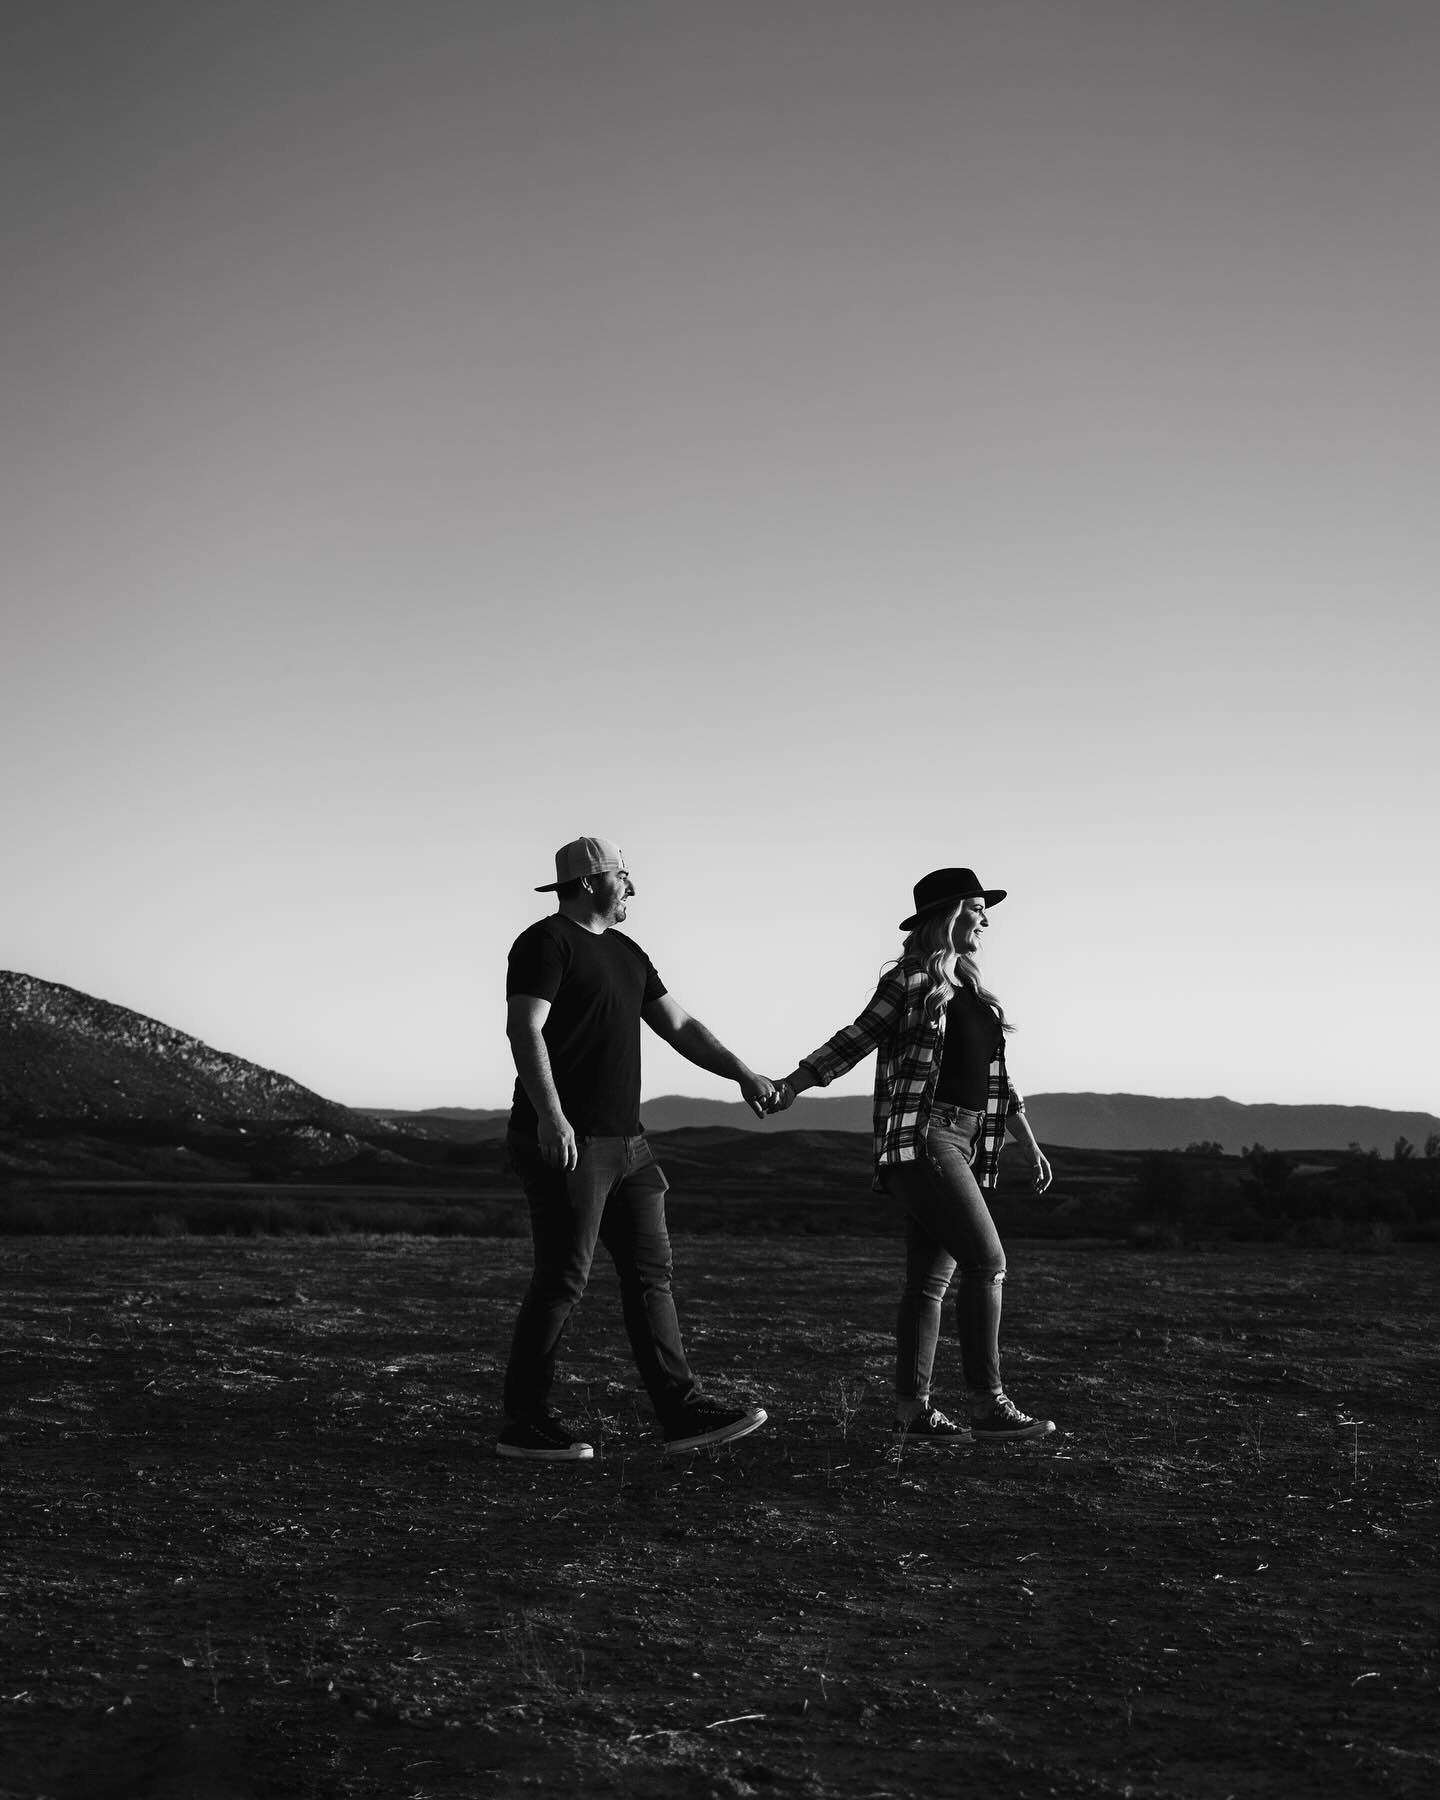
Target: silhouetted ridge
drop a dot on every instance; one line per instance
(67, 1055)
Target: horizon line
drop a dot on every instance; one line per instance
(1045, 1094)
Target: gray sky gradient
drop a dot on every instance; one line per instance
(811, 443)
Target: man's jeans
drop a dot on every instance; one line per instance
(947, 1223)
(616, 1196)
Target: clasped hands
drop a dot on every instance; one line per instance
(765, 1097)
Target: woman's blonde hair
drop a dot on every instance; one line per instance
(932, 942)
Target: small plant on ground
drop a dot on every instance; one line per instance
(846, 1401)
(546, 1654)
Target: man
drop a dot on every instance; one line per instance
(576, 992)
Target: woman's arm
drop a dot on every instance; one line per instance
(791, 1086)
(850, 1045)
(1019, 1128)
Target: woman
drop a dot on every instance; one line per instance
(943, 1103)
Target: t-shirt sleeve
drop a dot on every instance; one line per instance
(654, 986)
(536, 966)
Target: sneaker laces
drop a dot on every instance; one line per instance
(935, 1420)
(1004, 1404)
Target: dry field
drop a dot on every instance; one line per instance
(257, 1543)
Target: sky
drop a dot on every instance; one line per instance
(811, 443)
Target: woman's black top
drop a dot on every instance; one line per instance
(972, 1042)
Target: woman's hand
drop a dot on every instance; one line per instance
(1040, 1169)
(782, 1099)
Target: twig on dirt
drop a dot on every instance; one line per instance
(848, 1397)
(739, 1719)
(210, 1665)
(1414, 1755)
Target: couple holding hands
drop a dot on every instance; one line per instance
(578, 990)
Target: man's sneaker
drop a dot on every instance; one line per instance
(542, 1440)
(704, 1423)
(1006, 1424)
(932, 1428)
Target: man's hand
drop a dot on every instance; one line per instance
(759, 1092)
(557, 1143)
(782, 1099)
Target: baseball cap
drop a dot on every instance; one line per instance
(584, 856)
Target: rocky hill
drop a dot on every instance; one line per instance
(92, 1092)
(67, 1056)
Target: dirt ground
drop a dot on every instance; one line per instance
(257, 1543)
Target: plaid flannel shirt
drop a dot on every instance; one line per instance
(909, 1047)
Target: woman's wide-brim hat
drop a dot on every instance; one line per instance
(947, 887)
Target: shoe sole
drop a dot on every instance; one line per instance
(726, 1434)
(577, 1453)
(1027, 1434)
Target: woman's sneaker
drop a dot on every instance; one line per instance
(1006, 1424)
(932, 1428)
(542, 1440)
(703, 1423)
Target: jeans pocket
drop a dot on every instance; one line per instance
(943, 1141)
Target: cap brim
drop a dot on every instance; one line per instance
(991, 897)
(549, 887)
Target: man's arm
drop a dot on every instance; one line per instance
(524, 1025)
(669, 1020)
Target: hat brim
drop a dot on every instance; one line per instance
(991, 897)
(550, 887)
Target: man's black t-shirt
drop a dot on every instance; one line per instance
(972, 1042)
(597, 984)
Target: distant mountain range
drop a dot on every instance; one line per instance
(1143, 1122)
(70, 1060)
(1080, 1121)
